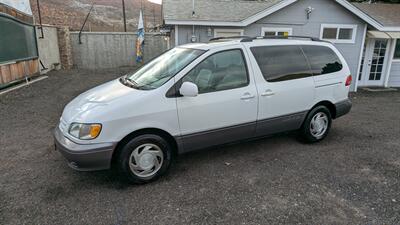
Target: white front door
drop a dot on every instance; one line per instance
(225, 109)
(373, 63)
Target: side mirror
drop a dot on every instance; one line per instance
(189, 89)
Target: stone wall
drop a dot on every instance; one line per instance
(64, 43)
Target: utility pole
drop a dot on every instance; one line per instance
(40, 20)
(144, 15)
(154, 17)
(123, 13)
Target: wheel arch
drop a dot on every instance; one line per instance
(156, 131)
(329, 105)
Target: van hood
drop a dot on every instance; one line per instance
(99, 96)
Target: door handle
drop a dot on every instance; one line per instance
(247, 96)
(268, 93)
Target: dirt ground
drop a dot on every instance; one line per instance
(352, 177)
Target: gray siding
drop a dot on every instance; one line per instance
(394, 77)
(294, 16)
(325, 11)
(185, 34)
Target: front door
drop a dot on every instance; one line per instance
(225, 109)
(373, 63)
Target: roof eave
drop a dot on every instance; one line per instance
(368, 19)
(242, 23)
(365, 17)
(203, 23)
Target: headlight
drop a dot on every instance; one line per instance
(85, 131)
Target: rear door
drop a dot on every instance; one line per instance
(285, 85)
(226, 108)
(330, 72)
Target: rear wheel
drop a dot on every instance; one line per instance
(144, 159)
(316, 125)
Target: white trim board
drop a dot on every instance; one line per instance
(338, 27)
(216, 31)
(360, 58)
(276, 29)
(390, 61)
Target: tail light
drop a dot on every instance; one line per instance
(349, 79)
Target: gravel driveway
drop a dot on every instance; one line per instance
(353, 177)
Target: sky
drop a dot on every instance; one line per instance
(155, 1)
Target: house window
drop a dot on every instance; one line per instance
(276, 31)
(397, 50)
(227, 32)
(337, 33)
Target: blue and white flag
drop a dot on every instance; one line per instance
(140, 39)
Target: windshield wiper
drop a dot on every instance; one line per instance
(131, 82)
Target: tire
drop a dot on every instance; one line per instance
(144, 159)
(317, 124)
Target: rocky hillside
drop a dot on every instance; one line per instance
(106, 14)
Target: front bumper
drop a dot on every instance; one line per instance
(342, 108)
(84, 157)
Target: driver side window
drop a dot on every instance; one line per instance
(220, 71)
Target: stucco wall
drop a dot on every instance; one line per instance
(49, 53)
(394, 78)
(294, 16)
(112, 49)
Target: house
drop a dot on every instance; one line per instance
(19, 57)
(366, 34)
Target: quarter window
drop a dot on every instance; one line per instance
(221, 71)
(339, 33)
(281, 63)
(322, 59)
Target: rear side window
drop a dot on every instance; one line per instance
(281, 63)
(322, 59)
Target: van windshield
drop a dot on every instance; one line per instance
(158, 71)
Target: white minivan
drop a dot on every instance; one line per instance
(200, 95)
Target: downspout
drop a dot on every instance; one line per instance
(193, 39)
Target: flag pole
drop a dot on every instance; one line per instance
(140, 39)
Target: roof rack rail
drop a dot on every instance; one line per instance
(228, 38)
(281, 37)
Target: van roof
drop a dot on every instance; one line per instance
(227, 42)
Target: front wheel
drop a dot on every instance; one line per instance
(144, 159)
(316, 125)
